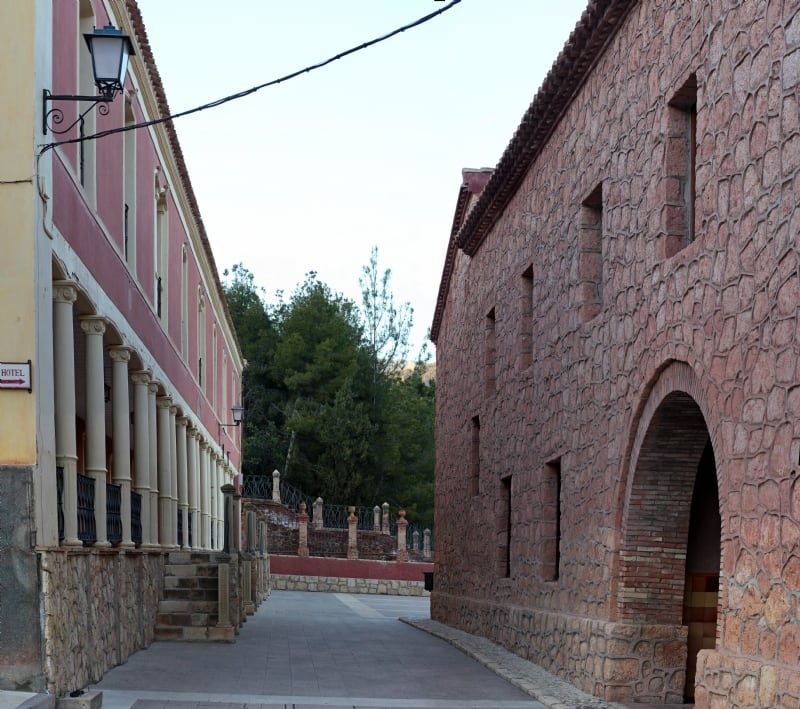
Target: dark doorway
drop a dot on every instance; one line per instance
(701, 592)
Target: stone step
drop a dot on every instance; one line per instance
(190, 557)
(183, 620)
(189, 594)
(191, 570)
(190, 582)
(192, 634)
(185, 606)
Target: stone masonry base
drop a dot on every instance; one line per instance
(100, 607)
(613, 661)
(339, 584)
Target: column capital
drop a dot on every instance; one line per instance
(120, 353)
(141, 376)
(192, 432)
(65, 292)
(153, 387)
(93, 324)
(182, 421)
(163, 402)
(203, 442)
(173, 410)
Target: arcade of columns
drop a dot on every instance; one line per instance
(175, 467)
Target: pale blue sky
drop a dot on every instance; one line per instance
(309, 174)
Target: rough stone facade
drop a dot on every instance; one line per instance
(339, 584)
(100, 607)
(618, 387)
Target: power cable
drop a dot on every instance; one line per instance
(247, 92)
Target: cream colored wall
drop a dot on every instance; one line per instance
(17, 283)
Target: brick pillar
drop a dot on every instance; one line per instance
(319, 521)
(385, 526)
(302, 521)
(376, 513)
(352, 533)
(402, 552)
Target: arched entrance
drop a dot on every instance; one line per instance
(670, 555)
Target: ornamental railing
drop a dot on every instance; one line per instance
(136, 517)
(114, 513)
(87, 530)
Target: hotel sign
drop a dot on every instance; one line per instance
(15, 375)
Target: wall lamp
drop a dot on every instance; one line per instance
(237, 411)
(110, 50)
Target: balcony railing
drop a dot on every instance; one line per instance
(136, 517)
(87, 530)
(114, 513)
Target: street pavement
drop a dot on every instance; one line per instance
(309, 650)
(312, 650)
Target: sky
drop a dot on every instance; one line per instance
(310, 174)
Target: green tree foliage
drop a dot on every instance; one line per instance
(327, 401)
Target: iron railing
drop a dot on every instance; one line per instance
(114, 513)
(333, 516)
(87, 530)
(60, 493)
(136, 517)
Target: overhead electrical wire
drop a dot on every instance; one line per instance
(252, 90)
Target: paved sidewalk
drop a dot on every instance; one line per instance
(310, 650)
(313, 650)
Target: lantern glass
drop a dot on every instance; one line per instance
(110, 50)
(238, 412)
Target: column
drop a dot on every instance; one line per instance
(173, 475)
(213, 489)
(352, 533)
(220, 531)
(319, 514)
(64, 295)
(183, 478)
(302, 531)
(95, 328)
(164, 464)
(121, 427)
(205, 540)
(152, 408)
(141, 448)
(192, 479)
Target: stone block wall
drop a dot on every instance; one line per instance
(99, 608)
(339, 584)
(591, 341)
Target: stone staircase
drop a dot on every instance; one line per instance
(188, 609)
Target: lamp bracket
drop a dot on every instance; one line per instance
(55, 116)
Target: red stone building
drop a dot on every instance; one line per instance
(618, 391)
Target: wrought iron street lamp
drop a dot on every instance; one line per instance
(110, 49)
(237, 411)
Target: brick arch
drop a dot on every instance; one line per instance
(671, 433)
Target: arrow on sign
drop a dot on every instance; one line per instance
(12, 381)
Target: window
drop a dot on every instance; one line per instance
(550, 524)
(475, 457)
(129, 189)
(504, 529)
(490, 353)
(680, 158)
(214, 366)
(526, 319)
(225, 407)
(161, 254)
(201, 335)
(184, 303)
(590, 256)
(87, 154)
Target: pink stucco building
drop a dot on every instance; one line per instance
(618, 390)
(112, 304)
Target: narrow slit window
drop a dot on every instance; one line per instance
(475, 456)
(490, 353)
(680, 168)
(590, 256)
(550, 524)
(526, 319)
